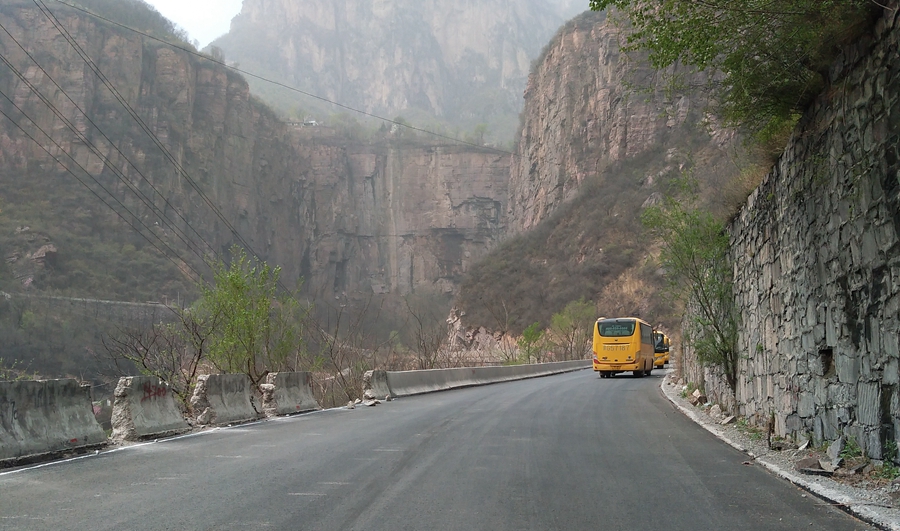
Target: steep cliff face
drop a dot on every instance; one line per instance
(462, 62)
(391, 216)
(393, 219)
(590, 107)
(602, 138)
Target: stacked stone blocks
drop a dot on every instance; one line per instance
(816, 254)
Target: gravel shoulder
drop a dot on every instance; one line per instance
(875, 501)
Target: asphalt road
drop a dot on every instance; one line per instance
(566, 452)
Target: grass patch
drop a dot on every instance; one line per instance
(755, 433)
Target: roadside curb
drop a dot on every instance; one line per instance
(882, 517)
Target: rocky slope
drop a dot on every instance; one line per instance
(464, 64)
(603, 136)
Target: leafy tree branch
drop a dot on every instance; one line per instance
(260, 329)
(773, 55)
(530, 344)
(695, 257)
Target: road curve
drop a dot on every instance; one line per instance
(565, 452)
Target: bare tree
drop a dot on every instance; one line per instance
(509, 351)
(173, 352)
(428, 332)
(343, 350)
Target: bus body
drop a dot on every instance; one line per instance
(660, 349)
(623, 344)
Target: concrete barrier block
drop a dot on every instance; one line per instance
(406, 383)
(291, 393)
(42, 417)
(223, 399)
(145, 407)
(377, 383)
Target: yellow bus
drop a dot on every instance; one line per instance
(660, 349)
(623, 344)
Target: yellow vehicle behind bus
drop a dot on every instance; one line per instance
(623, 344)
(660, 349)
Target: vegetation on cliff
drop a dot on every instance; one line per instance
(581, 251)
(135, 14)
(56, 240)
(694, 255)
(774, 56)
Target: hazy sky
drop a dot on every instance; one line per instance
(204, 20)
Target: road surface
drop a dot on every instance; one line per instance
(565, 452)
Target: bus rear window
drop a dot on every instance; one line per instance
(616, 328)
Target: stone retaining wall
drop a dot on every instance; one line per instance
(817, 264)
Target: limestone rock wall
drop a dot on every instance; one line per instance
(816, 254)
(382, 219)
(590, 107)
(463, 62)
(387, 216)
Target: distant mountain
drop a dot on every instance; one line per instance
(448, 66)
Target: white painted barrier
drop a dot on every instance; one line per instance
(291, 393)
(42, 417)
(223, 399)
(406, 383)
(145, 407)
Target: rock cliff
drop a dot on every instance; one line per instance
(389, 216)
(602, 136)
(589, 108)
(463, 63)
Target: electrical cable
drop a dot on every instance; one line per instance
(79, 179)
(143, 125)
(288, 87)
(112, 144)
(96, 150)
(179, 168)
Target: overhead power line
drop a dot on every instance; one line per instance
(285, 86)
(79, 179)
(122, 101)
(137, 118)
(98, 152)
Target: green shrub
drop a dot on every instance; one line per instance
(774, 56)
